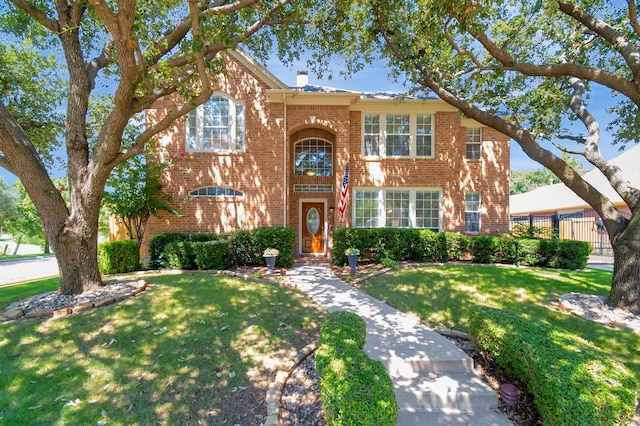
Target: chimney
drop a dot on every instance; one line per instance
(302, 78)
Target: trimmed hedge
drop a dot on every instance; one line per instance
(399, 244)
(177, 250)
(423, 245)
(573, 382)
(354, 389)
(213, 255)
(118, 257)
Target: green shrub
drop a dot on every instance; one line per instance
(241, 248)
(117, 257)
(565, 254)
(157, 259)
(354, 389)
(213, 254)
(573, 382)
(276, 237)
(527, 252)
(485, 249)
(180, 255)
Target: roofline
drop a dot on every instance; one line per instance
(263, 73)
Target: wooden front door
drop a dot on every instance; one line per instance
(312, 228)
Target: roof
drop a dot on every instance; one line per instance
(558, 197)
(314, 88)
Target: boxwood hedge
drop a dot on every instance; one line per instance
(573, 382)
(354, 389)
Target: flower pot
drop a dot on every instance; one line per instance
(353, 261)
(271, 263)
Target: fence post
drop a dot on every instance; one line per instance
(555, 220)
(531, 225)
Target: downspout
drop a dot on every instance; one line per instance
(284, 137)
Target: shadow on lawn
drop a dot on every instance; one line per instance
(194, 348)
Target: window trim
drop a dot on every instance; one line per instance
(473, 142)
(382, 135)
(295, 156)
(235, 193)
(467, 211)
(381, 197)
(235, 119)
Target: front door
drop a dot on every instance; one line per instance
(312, 228)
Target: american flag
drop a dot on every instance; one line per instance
(342, 205)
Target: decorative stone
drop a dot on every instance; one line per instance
(62, 312)
(39, 313)
(104, 302)
(13, 313)
(83, 307)
(120, 297)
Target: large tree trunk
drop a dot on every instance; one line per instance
(625, 286)
(76, 252)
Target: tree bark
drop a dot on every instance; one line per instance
(625, 285)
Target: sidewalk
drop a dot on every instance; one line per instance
(433, 379)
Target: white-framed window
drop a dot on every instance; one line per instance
(216, 126)
(397, 135)
(313, 157)
(424, 136)
(474, 143)
(472, 211)
(398, 208)
(216, 191)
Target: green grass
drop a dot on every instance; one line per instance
(23, 256)
(442, 296)
(184, 352)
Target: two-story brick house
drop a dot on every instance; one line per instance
(260, 153)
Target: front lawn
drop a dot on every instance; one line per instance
(193, 349)
(442, 295)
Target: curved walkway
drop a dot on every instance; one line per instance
(433, 379)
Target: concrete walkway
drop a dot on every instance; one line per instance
(433, 379)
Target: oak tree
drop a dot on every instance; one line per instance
(69, 53)
(523, 68)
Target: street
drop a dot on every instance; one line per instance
(19, 270)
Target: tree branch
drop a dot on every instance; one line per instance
(592, 151)
(619, 43)
(96, 64)
(606, 78)
(5, 164)
(51, 24)
(633, 16)
(525, 139)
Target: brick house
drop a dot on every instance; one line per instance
(260, 153)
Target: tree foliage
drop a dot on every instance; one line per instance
(134, 193)
(523, 68)
(82, 73)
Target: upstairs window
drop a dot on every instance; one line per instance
(397, 135)
(474, 143)
(313, 157)
(216, 126)
(215, 191)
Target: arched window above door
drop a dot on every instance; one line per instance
(313, 157)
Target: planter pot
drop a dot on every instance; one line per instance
(353, 261)
(271, 263)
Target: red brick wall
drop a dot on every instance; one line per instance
(259, 172)
(448, 170)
